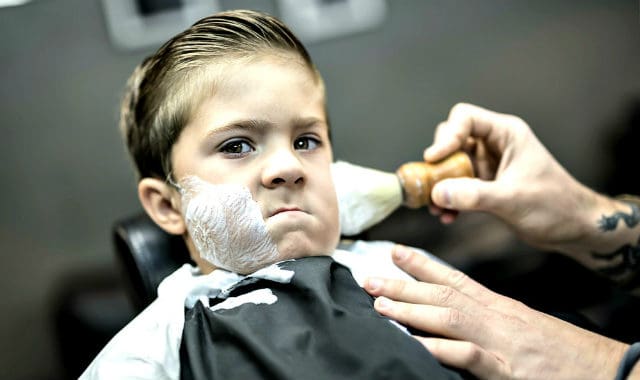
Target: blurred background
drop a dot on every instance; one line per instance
(393, 69)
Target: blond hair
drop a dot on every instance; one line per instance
(163, 91)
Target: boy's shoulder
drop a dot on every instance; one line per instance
(372, 259)
(148, 346)
(144, 348)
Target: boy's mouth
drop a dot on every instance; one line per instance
(284, 210)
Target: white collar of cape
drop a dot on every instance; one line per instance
(363, 258)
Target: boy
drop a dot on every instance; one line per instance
(228, 129)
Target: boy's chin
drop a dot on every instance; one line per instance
(304, 240)
(295, 248)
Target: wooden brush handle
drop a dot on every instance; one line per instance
(418, 178)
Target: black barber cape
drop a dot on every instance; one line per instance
(322, 326)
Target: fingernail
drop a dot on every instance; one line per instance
(400, 252)
(373, 284)
(444, 194)
(447, 197)
(428, 152)
(383, 303)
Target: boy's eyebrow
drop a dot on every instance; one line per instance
(251, 124)
(262, 124)
(304, 122)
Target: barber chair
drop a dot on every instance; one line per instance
(147, 254)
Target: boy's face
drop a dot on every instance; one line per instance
(265, 128)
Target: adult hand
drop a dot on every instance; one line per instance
(491, 336)
(518, 180)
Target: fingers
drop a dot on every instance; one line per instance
(465, 355)
(444, 321)
(468, 194)
(465, 120)
(421, 293)
(424, 269)
(453, 323)
(446, 216)
(427, 270)
(447, 140)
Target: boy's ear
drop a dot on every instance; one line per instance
(162, 204)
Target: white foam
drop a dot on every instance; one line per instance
(256, 297)
(274, 273)
(226, 225)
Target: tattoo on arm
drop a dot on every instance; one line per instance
(610, 223)
(626, 269)
(623, 263)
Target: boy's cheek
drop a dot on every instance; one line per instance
(331, 219)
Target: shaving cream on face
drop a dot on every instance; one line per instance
(226, 225)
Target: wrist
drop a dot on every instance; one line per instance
(608, 237)
(628, 368)
(574, 229)
(591, 356)
(611, 224)
(603, 224)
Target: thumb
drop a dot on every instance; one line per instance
(466, 194)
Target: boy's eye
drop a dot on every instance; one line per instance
(306, 143)
(236, 147)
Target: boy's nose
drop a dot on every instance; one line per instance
(283, 169)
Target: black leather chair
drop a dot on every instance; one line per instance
(147, 254)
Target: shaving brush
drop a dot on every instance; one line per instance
(417, 178)
(367, 196)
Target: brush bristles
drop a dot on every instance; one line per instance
(365, 196)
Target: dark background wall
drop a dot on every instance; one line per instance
(570, 68)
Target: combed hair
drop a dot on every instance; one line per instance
(165, 89)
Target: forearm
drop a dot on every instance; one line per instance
(592, 355)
